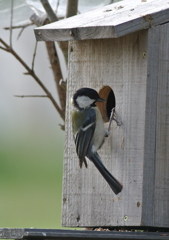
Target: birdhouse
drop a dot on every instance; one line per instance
(122, 51)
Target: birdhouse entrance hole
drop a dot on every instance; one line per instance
(110, 102)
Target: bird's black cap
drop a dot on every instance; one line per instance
(89, 92)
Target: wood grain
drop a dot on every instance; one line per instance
(111, 21)
(150, 127)
(87, 199)
(45, 234)
(136, 67)
(161, 184)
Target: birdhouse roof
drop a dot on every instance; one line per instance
(112, 21)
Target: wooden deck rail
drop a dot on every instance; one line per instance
(44, 234)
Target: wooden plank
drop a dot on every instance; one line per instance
(87, 199)
(111, 21)
(33, 233)
(161, 187)
(150, 109)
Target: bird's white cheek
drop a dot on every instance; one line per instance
(84, 101)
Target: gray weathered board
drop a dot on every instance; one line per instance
(111, 21)
(46, 234)
(136, 68)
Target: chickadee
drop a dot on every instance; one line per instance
(89, 132)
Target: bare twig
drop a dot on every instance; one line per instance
(11, 22)
(24, 25)
(23, 96)
(5, 49)
(57, 5)
(52, 16)
(34, 55)
(21, 31)
(31, 72)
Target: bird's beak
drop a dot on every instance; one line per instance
(100, 99)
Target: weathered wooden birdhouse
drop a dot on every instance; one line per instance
(122, 51)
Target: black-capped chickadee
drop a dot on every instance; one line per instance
(89, 132)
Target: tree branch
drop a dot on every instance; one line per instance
(54, 60)
(34, 55)
(52, 53)
(72, 6)
(24, 25)
(5, 49)
(31, 72)
(55, 65)
(52, 16)
(71, 10)
(23, 96)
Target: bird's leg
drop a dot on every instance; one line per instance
(110, 121)
(113, 116)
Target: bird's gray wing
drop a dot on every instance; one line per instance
(85, 134)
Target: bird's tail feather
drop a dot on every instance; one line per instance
(113, 183)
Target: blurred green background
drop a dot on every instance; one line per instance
(31, 141)
(30, 181)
